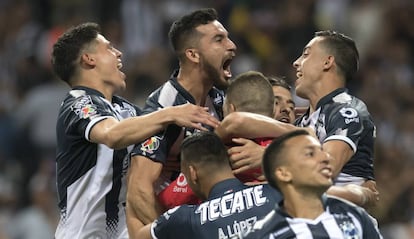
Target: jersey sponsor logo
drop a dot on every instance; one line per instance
(229, 204)
(350, 115)
(181, 180)
(150, 145)
(348, 112)
(181, 186)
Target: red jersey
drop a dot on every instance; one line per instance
(250, 176)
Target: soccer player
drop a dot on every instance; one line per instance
(284, 104)
(205, 52)
(230, 207)
(94, 129)
(299, 167)
(249, 92)
(341, 121)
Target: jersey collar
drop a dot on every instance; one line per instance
(88, 90)
(327, 98)
(224, 187)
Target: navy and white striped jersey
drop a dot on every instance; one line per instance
(165, 146)
(231, 209)
(91, 178)
(341, 220)
(340, 116)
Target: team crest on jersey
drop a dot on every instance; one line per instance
(349, 230)
(150, 145)
(218, 99)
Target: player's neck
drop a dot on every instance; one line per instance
(217, 178)
(107, 92)
(192, 82)
(303, 205)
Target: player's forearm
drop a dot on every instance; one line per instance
(341, 152)
(144, 233)
(250, 125)
(134, 225)
(136, 129)
(357, 194)
(342, 192)
(144, 205)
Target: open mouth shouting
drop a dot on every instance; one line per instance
(226, 67)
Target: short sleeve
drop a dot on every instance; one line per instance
(345, 123)
(84, 112)
(172, 224)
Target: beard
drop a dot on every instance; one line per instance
(214, 75)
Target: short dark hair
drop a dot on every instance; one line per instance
(182, 31)
(69, 46)
(279, 81)
(274, 157)
(251, 92)
(344, 50)
(204, 148)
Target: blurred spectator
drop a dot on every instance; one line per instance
(38, 219)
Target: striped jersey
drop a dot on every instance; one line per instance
(91, 178)
(230, 210)
(340, 116)
(164, 147)
(340, 220)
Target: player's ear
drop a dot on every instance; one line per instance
(232, 108)
(87, 60)
(192, 55)
(282, 174)
(328, 62)
(193, 174)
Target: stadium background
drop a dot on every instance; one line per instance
(269, 34)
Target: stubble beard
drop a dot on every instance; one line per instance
(214, 76)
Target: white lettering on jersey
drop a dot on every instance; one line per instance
(236, 230)
(231, 203)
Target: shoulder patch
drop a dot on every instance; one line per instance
(150, 145)
(84, 108)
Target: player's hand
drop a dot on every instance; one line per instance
(367, 197)
(193, 116)
(371, 193)
(246, 155)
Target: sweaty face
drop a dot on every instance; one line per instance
(309, 165)
(284, 105)
(216, 53)
(309, 67)
(108, 64)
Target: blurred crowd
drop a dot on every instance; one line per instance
(269, 35)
